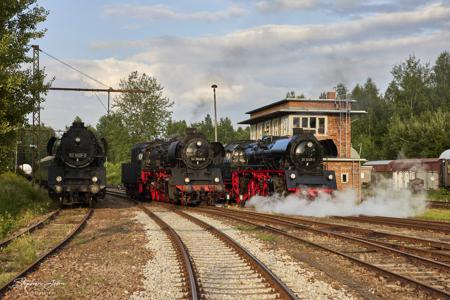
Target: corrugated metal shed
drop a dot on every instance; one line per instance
(445, 154)
(379, 165)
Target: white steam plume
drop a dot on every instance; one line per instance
(384, 201)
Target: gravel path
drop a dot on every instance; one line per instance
(162, 272)
(222, 273)
(301, 281)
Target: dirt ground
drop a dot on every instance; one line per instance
(103, 261)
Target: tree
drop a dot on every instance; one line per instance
(111, 128)
(410, 89)
(144, 115)
(368, 129)
(18, 26)
(341, 91)
(176, 128)
(441, 81)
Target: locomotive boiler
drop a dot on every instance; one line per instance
(74, 171)
(184, 170)
(279, 165)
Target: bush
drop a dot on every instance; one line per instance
(439, 195)
(20, 202)
(113, 173)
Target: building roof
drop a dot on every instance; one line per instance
(286, 100)
(290, 110)
(377, 162)
(445, 154)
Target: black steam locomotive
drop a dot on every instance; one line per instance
(279, 165)
(74, 171)
(183, 170)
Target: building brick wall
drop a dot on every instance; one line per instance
(352, 168)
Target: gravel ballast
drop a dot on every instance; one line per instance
(300, 280)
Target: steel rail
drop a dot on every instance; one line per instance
(278, 221)
(330, 227)
(29, 229)
(367, 265)
(402, 223)
(29, 268)
(438, 204)
(179, 246)
(284, 291)
(182, 251)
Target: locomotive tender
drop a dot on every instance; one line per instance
(74, 171)
(184, 170)
(279, 165)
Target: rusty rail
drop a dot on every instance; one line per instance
(284, 291)
(42, 257)
(396, 276)
(29, 229)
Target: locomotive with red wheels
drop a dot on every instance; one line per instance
(184, 170)
(279, 165)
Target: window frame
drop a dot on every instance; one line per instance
(308, 122)
(342, 178)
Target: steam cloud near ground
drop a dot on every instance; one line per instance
(384, 201)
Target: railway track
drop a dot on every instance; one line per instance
(215, 265)
(420, 271)
(29, 229)
(436, 226)
(48, 250)
(439, 204)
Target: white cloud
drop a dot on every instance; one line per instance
(163, 12)
(255, 66)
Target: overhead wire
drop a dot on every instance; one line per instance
(79, 71)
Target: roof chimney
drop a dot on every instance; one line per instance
(331, 95)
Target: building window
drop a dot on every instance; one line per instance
(344, 177)
(253, 132)
(316, 124)
(259, 131)
(266, 128)
(275, 127)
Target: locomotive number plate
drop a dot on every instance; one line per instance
(78, 155)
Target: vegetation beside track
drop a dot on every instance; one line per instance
(113, 173)
(439, 195)
(20, 203)
(436, 214)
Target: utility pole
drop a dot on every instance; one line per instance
(214, 87)
(36, 113)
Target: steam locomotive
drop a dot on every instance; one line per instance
(184, 170)
(279, 165)
(74, 172)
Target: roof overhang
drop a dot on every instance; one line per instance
(287, 111)
(286, 100)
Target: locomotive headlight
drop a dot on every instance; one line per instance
(330, 177)
(216, 179)
(199, 143)
(292, 176)
(77, 140)
(58, 189)
(94, 179)
(309, 144)
(58, 179)
(187, 180)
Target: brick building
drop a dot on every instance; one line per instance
(330, 118)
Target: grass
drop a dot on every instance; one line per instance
(113, 173)
(20, 203)
(245, 227)
(436, 214)
(266, 237)
(17, 255)
(439, 195)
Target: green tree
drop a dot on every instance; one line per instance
(369, 129)
(144, 115)
(341, 91)
(410, 89)
(441, 81)
(176, 128)
(18, 26)
(423, 136)
(111, 128)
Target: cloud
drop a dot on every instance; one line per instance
(163, 12)
(339, 6)
(256, 66)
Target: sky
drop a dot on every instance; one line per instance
(254, 50)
